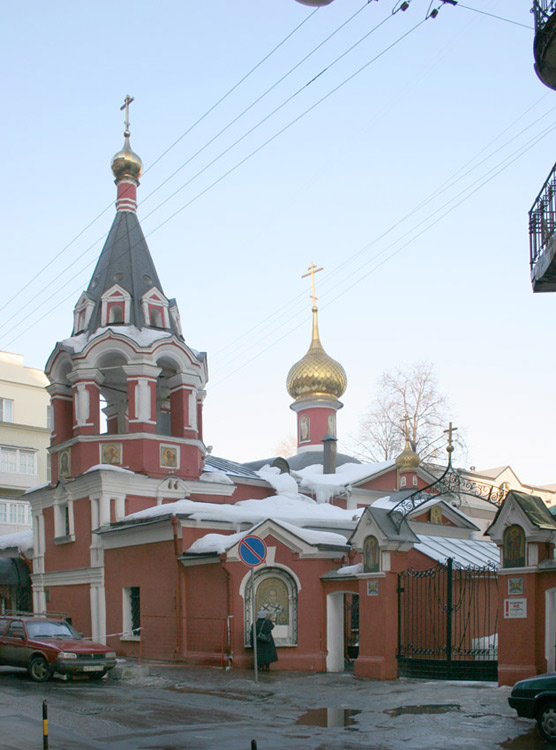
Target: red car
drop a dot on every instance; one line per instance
(45, 645)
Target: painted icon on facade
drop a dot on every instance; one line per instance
(514, 547)
(111, 453)
(64, 463)
(371, 555)
(435, 514)
(272, 597)
(169, 456)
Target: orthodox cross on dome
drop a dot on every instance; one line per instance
(312, 271)
(450, 446)
(406, 421)
(127, 101)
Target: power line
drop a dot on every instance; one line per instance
(286, 127)
(164, 153)
(481, 182)
(492, 15)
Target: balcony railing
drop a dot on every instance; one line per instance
(542, 10)
(542, 226)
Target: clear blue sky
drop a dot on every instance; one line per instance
(457, 90)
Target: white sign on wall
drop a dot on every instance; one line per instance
(515, 608)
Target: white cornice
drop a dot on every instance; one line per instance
(117, 483)
(92, 576)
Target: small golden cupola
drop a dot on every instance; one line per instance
(316, 376)
(407, 462)
(127, 168)
(316, 383)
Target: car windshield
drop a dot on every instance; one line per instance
(51, 629)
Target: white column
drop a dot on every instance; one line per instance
(335, 632)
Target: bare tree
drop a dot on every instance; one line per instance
(413, 392)
(287, 446)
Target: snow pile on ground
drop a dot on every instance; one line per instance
(22, 540)
(327, 486)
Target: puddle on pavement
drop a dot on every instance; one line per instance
(328, 717)
(216, 693)
(431, 708)
(531, 740)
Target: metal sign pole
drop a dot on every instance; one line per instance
(254, 624)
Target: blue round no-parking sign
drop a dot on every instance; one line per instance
(252, 550)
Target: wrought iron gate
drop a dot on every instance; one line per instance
(448, 623)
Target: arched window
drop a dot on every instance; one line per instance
(115, 313)
(403, 482)
(155, 317)
(276, 594)
(371, 555)
(514, 547)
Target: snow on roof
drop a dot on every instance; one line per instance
(325, 486)
(216, 476)
(37, 487)
(286, 506)
(141, 336)
(219, 543)
(315, 537)
(23, 540)
(350, 570)
(465, 552)
(279, 482)
(109, 467)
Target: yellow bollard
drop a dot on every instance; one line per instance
(44, 725)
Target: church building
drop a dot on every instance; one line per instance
(137, 535)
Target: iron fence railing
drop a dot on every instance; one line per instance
(542, 216)
(542, 10)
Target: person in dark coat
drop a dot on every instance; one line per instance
(266, 648)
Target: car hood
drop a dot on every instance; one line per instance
(77, 646)
(537, 684)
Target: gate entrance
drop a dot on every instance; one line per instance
(448, 623)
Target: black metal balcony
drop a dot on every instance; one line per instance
(542, 237)
(544, 47)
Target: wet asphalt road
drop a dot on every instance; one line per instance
(171, 708)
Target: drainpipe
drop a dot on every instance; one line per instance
(179, 640)
(228, 608)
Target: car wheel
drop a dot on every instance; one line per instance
(546, 721)
(39, 670)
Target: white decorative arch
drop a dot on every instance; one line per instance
(285, 612)
(116, 295)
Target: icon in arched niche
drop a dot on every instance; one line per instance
(371, 555)
(514, 547)
(332, 425)
(304, 428)
(272, 597)
(64, 463)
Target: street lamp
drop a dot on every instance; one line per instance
(315, 2)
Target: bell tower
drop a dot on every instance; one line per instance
(126, 389)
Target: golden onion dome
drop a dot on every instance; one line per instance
(408, 460)
(316, 375)
(126, 164)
